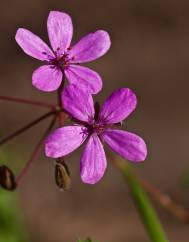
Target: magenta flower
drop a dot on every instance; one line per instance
(98, 127)
(63, 61)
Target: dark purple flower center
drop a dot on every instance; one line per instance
(97, 125)
(61, 60)
(97, 128)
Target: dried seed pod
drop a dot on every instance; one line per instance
(62, 175)
(7, 178)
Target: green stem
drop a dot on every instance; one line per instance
(147, 212)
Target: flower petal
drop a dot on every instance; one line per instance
(85, 78)
(126, 144)
(60, 30)
(79, 103)
(64, 140)
(32, 45)
(90, 47)
(118, 106)
(93, 161)
(47, 78)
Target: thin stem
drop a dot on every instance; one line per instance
(60, 104)
(26, 127)
(36, 150)
(162, 198)
(143, 204)
(165, 200)
(27, 101)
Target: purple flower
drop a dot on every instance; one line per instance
(63, 60)
(98, 127)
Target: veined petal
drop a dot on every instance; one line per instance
(79, 103)
(60, 30)
(32, 45)
(93, 161)
(64, 140)
(118, 106)
(47, 78)
(84, 78)
(90, 47)
(128, 145)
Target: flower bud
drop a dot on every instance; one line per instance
(62, 175)
(7, 178)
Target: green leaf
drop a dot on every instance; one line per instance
(143, 204)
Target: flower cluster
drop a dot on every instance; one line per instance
(92, 124)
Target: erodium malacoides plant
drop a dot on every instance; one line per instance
(91, 124)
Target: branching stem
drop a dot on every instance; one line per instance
(27, 126)
(27, 101)
(36, 150)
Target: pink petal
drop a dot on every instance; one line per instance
(64, 140)
(118, 106)
(47, 78)
(91, 47)
(93, 161)
(32, 45)
(60, 30)
(84, 78)
(129, 146)
(79, 103)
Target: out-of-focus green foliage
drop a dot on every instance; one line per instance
(184, 181)
(85, 240)
(147, 212)
(11, 226)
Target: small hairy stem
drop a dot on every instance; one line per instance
(36, 150)
(26, 127)
(143, 204)
(60, 104)
(26, 101)
(162, 198)
(165, 200)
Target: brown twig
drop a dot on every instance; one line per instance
(35, 152)
(27, 101)
(26, 127)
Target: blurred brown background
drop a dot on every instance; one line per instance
(150, 54)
